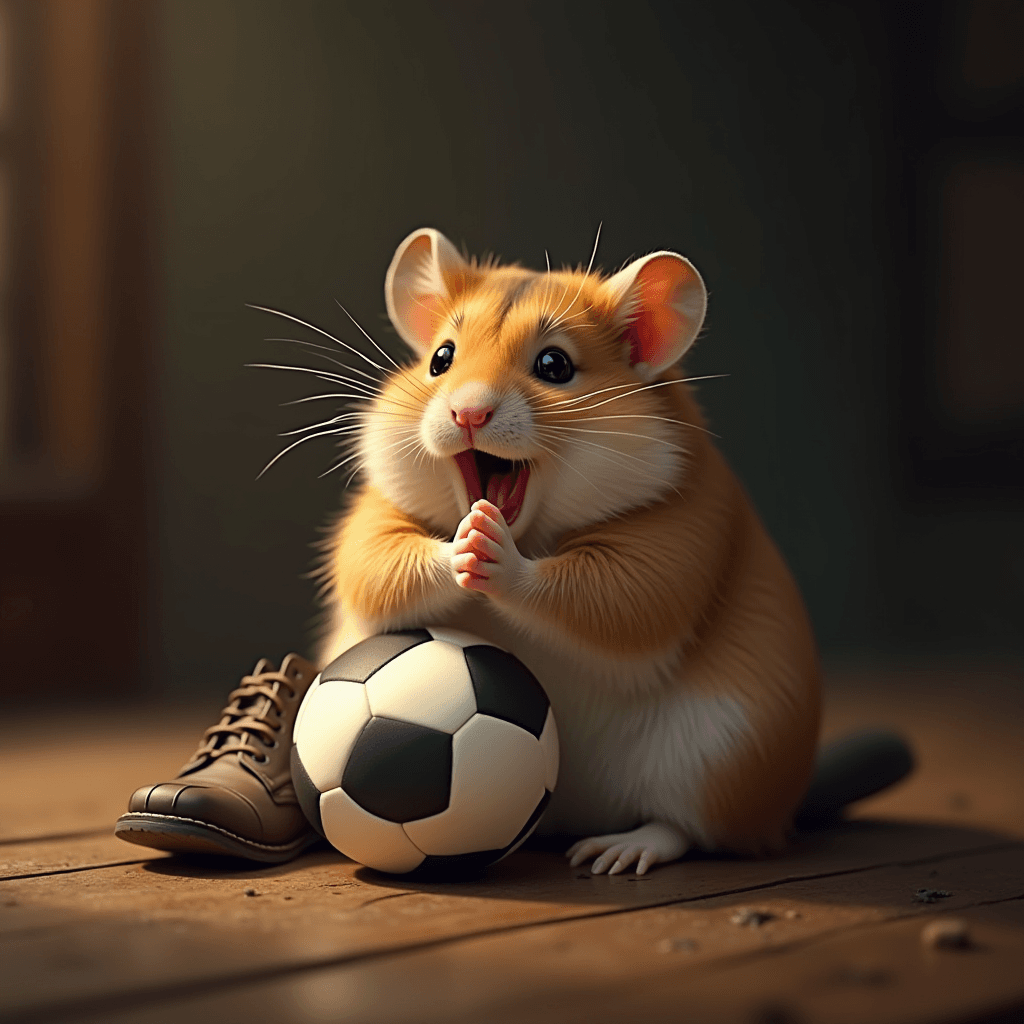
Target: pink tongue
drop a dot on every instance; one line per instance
(498, 489)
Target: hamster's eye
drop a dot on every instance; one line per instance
(442, 359)
(554, 365)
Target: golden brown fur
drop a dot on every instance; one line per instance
(650, 576)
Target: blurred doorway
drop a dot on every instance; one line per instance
(77, 341)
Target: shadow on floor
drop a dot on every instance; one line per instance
(541, 873)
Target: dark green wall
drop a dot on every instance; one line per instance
(305, 140)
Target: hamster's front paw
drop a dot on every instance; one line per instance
(485, 557)
(652, 843)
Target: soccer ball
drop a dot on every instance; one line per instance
(425, 750)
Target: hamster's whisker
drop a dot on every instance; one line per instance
(317, 372)
(404, 441)
(408, 447)
(351, 382)
(337, 378)
(326, 423)
(613, 451)
(337, 362)
(562, 321)
(319, 330)
(419, 387)
(406, 374)
(408, 438)
(638, 390)
(362, 330)
(337, 465)
(590, 266)
(620, 433)
(558, 304)
(642, 416)
(587, 396)
(619, 387)
(335, 394)
(706, 376)
(378, 389)
(562, 318)
(547, 260)
(310, 398)
(294, 444)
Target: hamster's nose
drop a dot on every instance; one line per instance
(474, 416)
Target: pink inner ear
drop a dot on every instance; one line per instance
(422, 316)
(650, 335)
(656, 324)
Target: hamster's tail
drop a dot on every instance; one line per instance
(852, 768)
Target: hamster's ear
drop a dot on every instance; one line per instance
(661, 302)
(418, 282)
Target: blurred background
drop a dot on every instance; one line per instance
(849, 178)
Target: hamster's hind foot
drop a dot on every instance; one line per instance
(653, 843)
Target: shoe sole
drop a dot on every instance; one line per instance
(189, 836)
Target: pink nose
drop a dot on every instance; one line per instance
(473, 417)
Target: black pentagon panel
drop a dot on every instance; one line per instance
(307, 793)
(470, 865)
(505, 688)
(358, 663)
(400, 771)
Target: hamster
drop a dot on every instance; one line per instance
(542, 476)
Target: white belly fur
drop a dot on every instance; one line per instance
(635, 746)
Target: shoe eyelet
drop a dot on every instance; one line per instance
(270, 746)
(262, 759)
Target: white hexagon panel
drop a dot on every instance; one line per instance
(365, 838)
(427, 685)
(332, 716)
(498, 774)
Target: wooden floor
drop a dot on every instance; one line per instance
(93, 929)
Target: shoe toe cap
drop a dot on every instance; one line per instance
(213, 805)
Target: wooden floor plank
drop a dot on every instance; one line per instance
(61, 856)
(74, 929)
(65, 775)
(697, 955)
(964, 730)
(163, 923)
(882, 974)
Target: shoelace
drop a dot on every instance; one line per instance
(243, 717)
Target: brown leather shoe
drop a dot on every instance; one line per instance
(235, 797)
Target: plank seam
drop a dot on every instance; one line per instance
(58, 1013)
(784, 947)
(72, 871)
(56, 836)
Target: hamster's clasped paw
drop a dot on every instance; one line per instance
(653, 843)
(484, 555)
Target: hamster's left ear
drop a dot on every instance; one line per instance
(422, 275)
(661, 302)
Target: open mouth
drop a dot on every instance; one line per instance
(501, 481)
